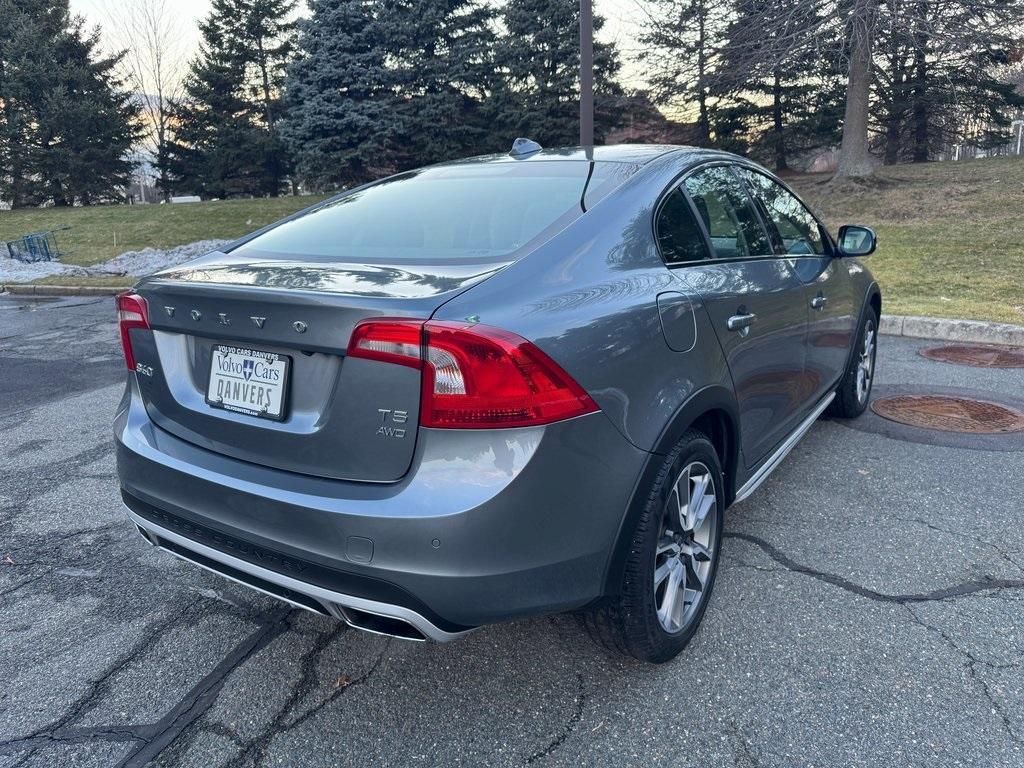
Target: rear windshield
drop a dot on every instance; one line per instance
(449, 213)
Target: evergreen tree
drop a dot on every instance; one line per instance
(937, 81)
(440, 53)
(386, 85)
(537, 90)
(90, 125)
(67, 124)
(682, 42)
(265, 34)
(216, 149)
(26, 72)
(227, 141)
(340, 124)
(733, 125)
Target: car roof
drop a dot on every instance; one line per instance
(635, 154)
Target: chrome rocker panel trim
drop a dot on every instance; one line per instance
(783, 450)
(334, 602)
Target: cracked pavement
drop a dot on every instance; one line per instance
(869, 611)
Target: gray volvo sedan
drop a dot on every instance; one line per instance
(493, 388)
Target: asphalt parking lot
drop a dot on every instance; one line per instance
(869, 611)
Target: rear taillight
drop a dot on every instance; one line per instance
(393, 341)
(474, 376)
(477, 376)
(132, 312)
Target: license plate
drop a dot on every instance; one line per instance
(248, 381)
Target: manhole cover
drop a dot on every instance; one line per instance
(977, 355)
(949, 414)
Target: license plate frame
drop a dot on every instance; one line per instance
(254, 354)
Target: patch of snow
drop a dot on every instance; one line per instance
(130, 264)
(150, 260)
(14, 271)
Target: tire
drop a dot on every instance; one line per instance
(629, 623)
(853, 392)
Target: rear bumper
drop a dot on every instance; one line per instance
(373, 615)
(487, 525)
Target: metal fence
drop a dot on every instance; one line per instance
(1013, 146)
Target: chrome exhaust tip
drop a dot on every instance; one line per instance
(378, 624)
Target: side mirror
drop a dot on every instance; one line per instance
(855, 240)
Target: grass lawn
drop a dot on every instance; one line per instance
(951, 235)
(101, 232)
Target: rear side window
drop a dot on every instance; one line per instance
(728, 214)
(446, 214)
(679, 234)
(798, 230)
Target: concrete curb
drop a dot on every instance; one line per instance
(973, 331)
(61, 290)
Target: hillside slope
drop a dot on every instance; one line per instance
(101, 232)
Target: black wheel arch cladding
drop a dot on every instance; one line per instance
(712, 408)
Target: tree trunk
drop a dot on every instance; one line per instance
(920, 108)
(17, 181)
(164, 182)
(267, 111)
(55, 187)
(703, 119)
(855, 158)
(15, 150)
(265, 75)
(777, 127)
(896, 109)
(162, 129)
(703, 123)
(893, 129)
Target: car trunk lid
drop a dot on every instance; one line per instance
(351, 419)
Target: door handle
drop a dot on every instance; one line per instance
(819, 302)
(741, 323)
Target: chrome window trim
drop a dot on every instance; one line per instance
(681, 177)
(826, 238)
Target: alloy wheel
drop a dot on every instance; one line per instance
(866, 362)
(685, 555)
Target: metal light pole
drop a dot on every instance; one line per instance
(586, 73)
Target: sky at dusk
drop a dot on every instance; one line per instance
(621, 16)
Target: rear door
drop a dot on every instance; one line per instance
(828, 290)
(754, 298)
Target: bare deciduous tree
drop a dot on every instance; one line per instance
(681, 42)
(152, 34)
